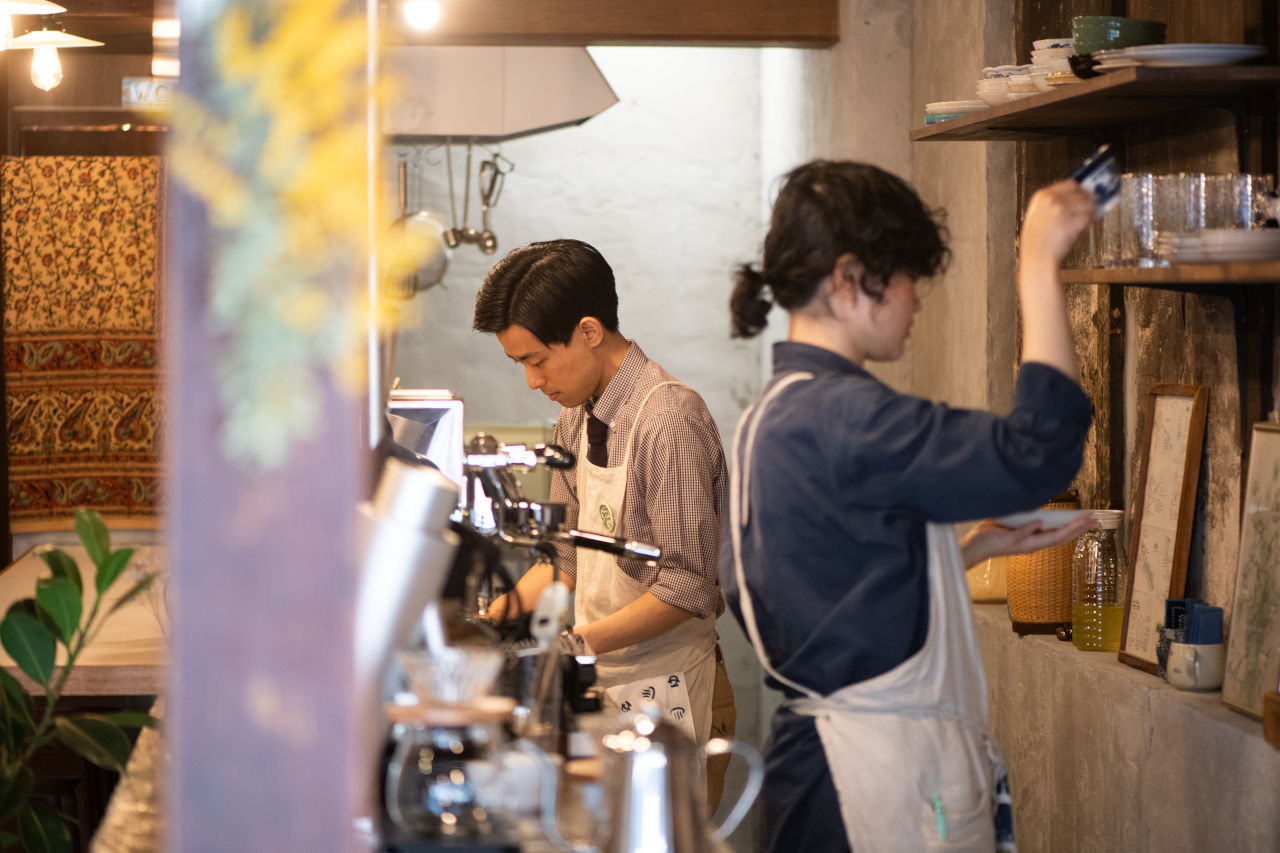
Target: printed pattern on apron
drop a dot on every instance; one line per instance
(910, 755)
(675, 670)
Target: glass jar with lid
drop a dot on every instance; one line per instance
(1099, 573)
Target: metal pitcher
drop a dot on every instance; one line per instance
(654, 796)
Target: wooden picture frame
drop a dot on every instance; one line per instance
(1164, 505)
(1253, 642)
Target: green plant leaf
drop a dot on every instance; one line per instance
(133, 719)
(93, 533)
(24, 605)
(138, 589)
(7, 840)
(95, 738)
(111, 569)
(19, 719)
(30, 643)
(15, 788)
(44, 829)
(59, 598)
(62, 566)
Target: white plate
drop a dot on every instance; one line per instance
(1050, 518)
(1174, 55)
(938, 108)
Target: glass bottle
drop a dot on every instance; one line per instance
(1098, 576)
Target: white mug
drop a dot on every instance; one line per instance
(1195, 666)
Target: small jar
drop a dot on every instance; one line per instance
(1099, 573)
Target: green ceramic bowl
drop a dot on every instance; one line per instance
(1106, 32)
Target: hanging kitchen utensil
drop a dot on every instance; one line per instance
(455, 236)
(427, 229)
(492, 176)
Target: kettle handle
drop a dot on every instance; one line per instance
(549, 795)
(755, 779)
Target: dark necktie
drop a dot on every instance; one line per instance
(597, 441)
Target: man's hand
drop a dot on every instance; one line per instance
(990, 539)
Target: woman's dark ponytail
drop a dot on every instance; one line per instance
(748, 309)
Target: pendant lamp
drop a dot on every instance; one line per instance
(46, 68)
(22, 7)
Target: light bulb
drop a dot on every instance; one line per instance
(421, 14)
(46, 69)
(6, 31)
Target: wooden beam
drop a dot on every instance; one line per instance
(798, 23)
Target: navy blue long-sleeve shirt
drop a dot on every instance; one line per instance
(845, 474)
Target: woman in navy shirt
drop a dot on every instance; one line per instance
(839, 558)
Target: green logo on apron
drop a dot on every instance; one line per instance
(606, 516)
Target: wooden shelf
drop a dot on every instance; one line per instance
(1115, 97)
(1257, 272)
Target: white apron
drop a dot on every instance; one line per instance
(676, 669)
(913, 765)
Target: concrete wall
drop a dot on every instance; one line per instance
(1105, 757)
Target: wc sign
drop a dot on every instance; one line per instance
(146, 92)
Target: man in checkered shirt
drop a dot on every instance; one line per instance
(649, 468)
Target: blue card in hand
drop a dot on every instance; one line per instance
(1100, 176)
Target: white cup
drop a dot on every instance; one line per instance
(1195, 666)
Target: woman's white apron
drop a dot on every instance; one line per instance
(913, 765)
(677, 669)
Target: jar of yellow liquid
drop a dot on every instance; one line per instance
(1098, 577)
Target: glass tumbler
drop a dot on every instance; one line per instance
(1237, 201)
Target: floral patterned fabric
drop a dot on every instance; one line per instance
(81, 337)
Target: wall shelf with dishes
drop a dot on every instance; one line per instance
(1115, 97)
(1124, 95)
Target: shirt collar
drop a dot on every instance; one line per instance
(791, 356)
(618, 391)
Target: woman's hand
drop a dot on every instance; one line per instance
(1056, 216)
(990, 539)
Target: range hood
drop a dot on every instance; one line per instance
(490, 94)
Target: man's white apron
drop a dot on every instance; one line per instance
(676, 669)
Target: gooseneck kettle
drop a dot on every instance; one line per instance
(654, 795)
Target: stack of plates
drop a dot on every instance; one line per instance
(950, 108)
(1220, 244)
(1177, 55)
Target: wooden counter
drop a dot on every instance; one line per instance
(127, 657)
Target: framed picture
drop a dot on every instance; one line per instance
(1163, 510)
(1253, 645)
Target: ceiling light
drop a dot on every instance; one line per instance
(164, 67)
(22, 7)
(421, 14)
(46, 68)
(166, 28)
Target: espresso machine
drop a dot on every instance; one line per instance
(550, 687)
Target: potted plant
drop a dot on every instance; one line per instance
(31, 632)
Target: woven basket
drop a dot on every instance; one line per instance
(1039, 584)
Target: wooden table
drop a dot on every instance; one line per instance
(127, 657)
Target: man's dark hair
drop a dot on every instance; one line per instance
(547, 288)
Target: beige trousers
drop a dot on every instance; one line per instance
(724, 723)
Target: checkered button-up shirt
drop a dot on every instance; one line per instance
(675, 487)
